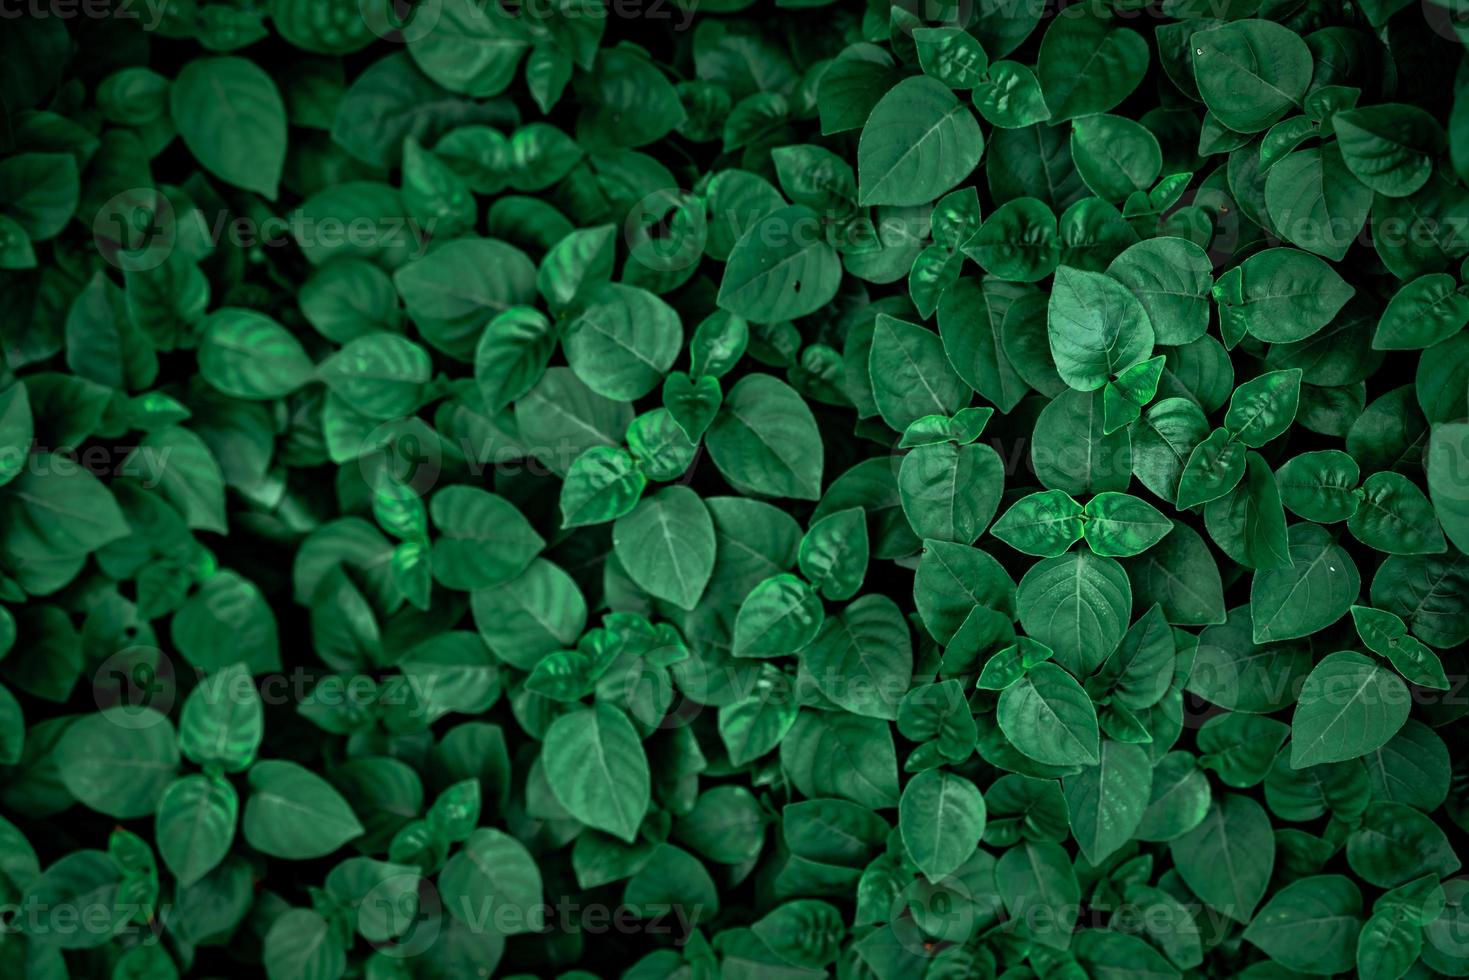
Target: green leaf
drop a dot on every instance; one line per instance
(1390, 147)
(455, 290)
(1179, 574)
(433, 192)
(1078, 605)
(1232, 671)
(512, 355)
(1311, 925)
(84, 881)
(1248, 523)
(1395, 843)
(978, 353)
(1349, 706)
(1447, 457)
(1089, 64)
(754, 725)
(223, 720)
(1317, 589)
(862, 659)
(1318, 485)
(1241, 748)
(1280, 296)
(575, 264)
(1017, 242)
(805, 934)
(1163, 441)
(1114, 155)
(17, 429)
(666, 544)
(180, 465)
(726, 824)
(1011, 97)
(837, 754)
(911, 377)
(1424, 312)
(1119, 525)
(950, 492)
(659, 446)
(939, 713)
(118, 761)
(765, 440)
(469, 50)
(693, 403)
(1038, 876)
(918, 142)
(1215, 466)
(227, 621)
(483, 539)
(246, 354)
(1227, 859)
(597, 770)
(41, 190)
(383, 896)
(719, 342)
(1045, 524)
(300, 944)
(294, 814)
(491, 870)
(780, 268)
(1049, 718)
(538, 612)
(1171, 277)
(603, 484)
(230, 115)
(1097, 327)
(1316, 202)
(1106, 801)
(834, 553)
(622, 341)
(951, 580)
(1250, 73)
(816, 177)
(672, 878)
(780, 616)
(196, 826)
(1264, 407)
(941, 817)
(1395, 517)
(1412, 768)
(1387, 946)
(1140, 671)
(950, 55)
(379, 375)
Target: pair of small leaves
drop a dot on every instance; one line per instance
(1049, 522)
(783, 613)
(1260, 410)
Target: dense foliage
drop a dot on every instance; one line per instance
(758, 489)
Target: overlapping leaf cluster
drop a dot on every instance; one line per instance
(745, 490)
